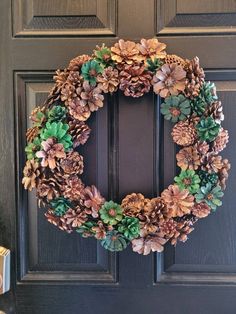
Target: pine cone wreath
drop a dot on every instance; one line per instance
(184, 133)
(195, 78)
(135, 80)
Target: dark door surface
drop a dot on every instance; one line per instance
(53, 272)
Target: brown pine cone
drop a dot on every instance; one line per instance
(150, 243)
(169, 59)
(92, 200)
(57, 221)
(91, 96)
(133, 204)
(135, 80)
(223, 173)
(72, 88)
(72, 164)
(201, 210)
(75, 217)
(178, 203)
(195, 78)
(202, 148)
(79, 131)
(32, 133)
(212, 163)
(31, 173)
(168, 227)
(184, 133)
(221, 141)
(48, 188)
(188, 158)
(125, 52)
(152, 48)
(100, 231)
(108, 81)
(182, 231)
(76, 63)
(78, 110)
(215, 110)
(151, 215)
(73, 188)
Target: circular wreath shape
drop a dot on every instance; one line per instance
(54, 164)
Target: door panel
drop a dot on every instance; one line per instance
(130, 149)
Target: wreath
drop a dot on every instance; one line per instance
(54, 164)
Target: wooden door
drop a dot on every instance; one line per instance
(53, 272)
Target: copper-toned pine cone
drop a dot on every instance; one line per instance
(221, 141)
(215, 110)
(79, 111)
(169, 80)
(74, 217)
(184, 133)
(57, 221)
(202, 148)
(100, 231)
(34, 117)
(79, 131)
(71, 90)
(133, 204)
(135, 80)
(72, 163)
(31, 134)
(168, 227)
(223, 173)
(31, 173)
(195, 78)
(183, 228)
(76, 63)
(108, 81)
(91, 96)
(151, 215)
(212, 163)
(73, 188)
(125, 52)
(188, 158)
(48, 188)
(201, 210)
(178, 203)
(149, 244)
(169, 59)
(92, 200)
(152, 48)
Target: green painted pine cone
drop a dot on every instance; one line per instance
(176, 108)
(111, 213)
(60, 206)
(188, 180)
(207, 129)
(210, 195)
(90, 70)
(207, 177)
(57, 113)
(114, 241)
(129, 227)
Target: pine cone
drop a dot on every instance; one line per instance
(73, 188)
(201, 210)
(91, 96)
(125, 52)
(150, 243)
(152, 48)
(72, 164)
(151, 215)
(92, 200)
(48, 188)
(32, 133)
(169, 59)
(31, 173)
(195, 78)
(221, 141)
(79, 131)
(168, 228)
(78, 110)
(135, 80)
(76, 63)
(75, 217)
(57, 221)
(184, 133)
(99, 230)
(133, 204)
(108, 81)
(212, 163)
(223, 173)
(215, 110)
(188, 158)
(202, 148)
(178, 203)
(72, 88)
(182, 230)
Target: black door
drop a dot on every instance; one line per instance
(53, 272)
